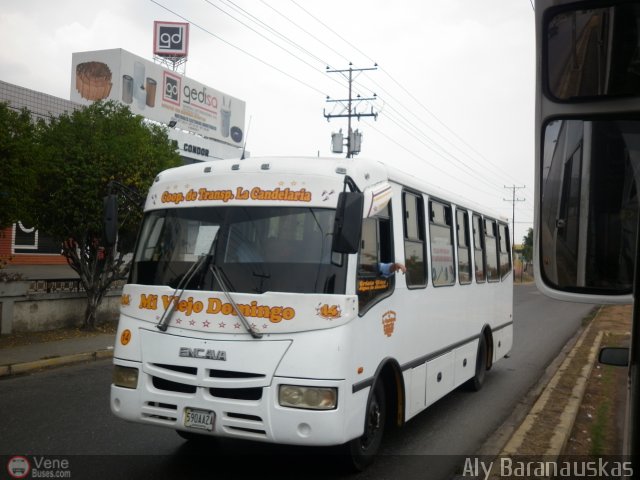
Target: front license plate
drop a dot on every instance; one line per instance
(196, 418)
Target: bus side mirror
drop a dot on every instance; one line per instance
(347, 226)
(110, 219)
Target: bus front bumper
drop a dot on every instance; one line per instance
(253, 414)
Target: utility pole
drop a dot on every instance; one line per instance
(513, 217)
(353, 139)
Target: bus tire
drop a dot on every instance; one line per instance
(361, 451)
(476, 383)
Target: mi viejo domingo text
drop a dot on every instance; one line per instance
(216, 306)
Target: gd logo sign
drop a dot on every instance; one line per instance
(171, 88)
(171, 38)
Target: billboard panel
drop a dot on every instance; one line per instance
(156, 93)
(198, 148)
(170, 39)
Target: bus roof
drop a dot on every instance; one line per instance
(364, 171)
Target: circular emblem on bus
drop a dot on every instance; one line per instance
(125, 337)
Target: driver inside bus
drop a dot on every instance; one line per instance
(389, 269)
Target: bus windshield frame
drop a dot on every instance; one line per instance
(257, 249)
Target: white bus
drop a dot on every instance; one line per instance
(256, 307)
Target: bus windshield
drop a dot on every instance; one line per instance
(256, 249)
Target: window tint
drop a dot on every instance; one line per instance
(414, 241)
(505, 250)
(375, 248)
(464, 250)
(478, 249)
(490, 242)
(440, 231)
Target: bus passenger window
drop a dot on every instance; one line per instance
(464, 252)
(505, 251)
(478, 249)
(440, 231)
(375, 248)
(414, 240)
(490, 233)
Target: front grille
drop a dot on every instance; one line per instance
(243, 425)
(244, 416)
(237, 393)
(169, 386)
(177, 368)
(160, 412)
(231, 374)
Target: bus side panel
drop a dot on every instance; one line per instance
(416, 382)
(502, 342)
(440, 379)
(465, 362)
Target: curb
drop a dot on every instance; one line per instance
(27, 367)
(560, 434)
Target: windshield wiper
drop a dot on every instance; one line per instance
(216, 274)
(163, 324)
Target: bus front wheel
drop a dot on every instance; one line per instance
(361, 450)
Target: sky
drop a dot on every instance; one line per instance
(455, 79)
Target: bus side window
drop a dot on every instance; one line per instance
(505, 250)
(478, 248)
(464, 250)
(414, 240)
(490, 233)
(376, 247)
(441, 235)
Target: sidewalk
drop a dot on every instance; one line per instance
(575, 400)
(28, 358)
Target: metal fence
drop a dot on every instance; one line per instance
(64, 285)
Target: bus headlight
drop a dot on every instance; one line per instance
(126, 377)
(314, 398)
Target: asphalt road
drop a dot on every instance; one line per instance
(65, 413)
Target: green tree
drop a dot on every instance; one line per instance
(527, 246)
(16, 155)
(79, 154)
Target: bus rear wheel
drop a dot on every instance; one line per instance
(361, 450)
(476, 383)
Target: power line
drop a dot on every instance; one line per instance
(332, 31)
(275, 68)
(305, 31)
(238, 48)
(423, 160)
(399, 85)
(263, 36)
(271, 30)
(246, 13)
